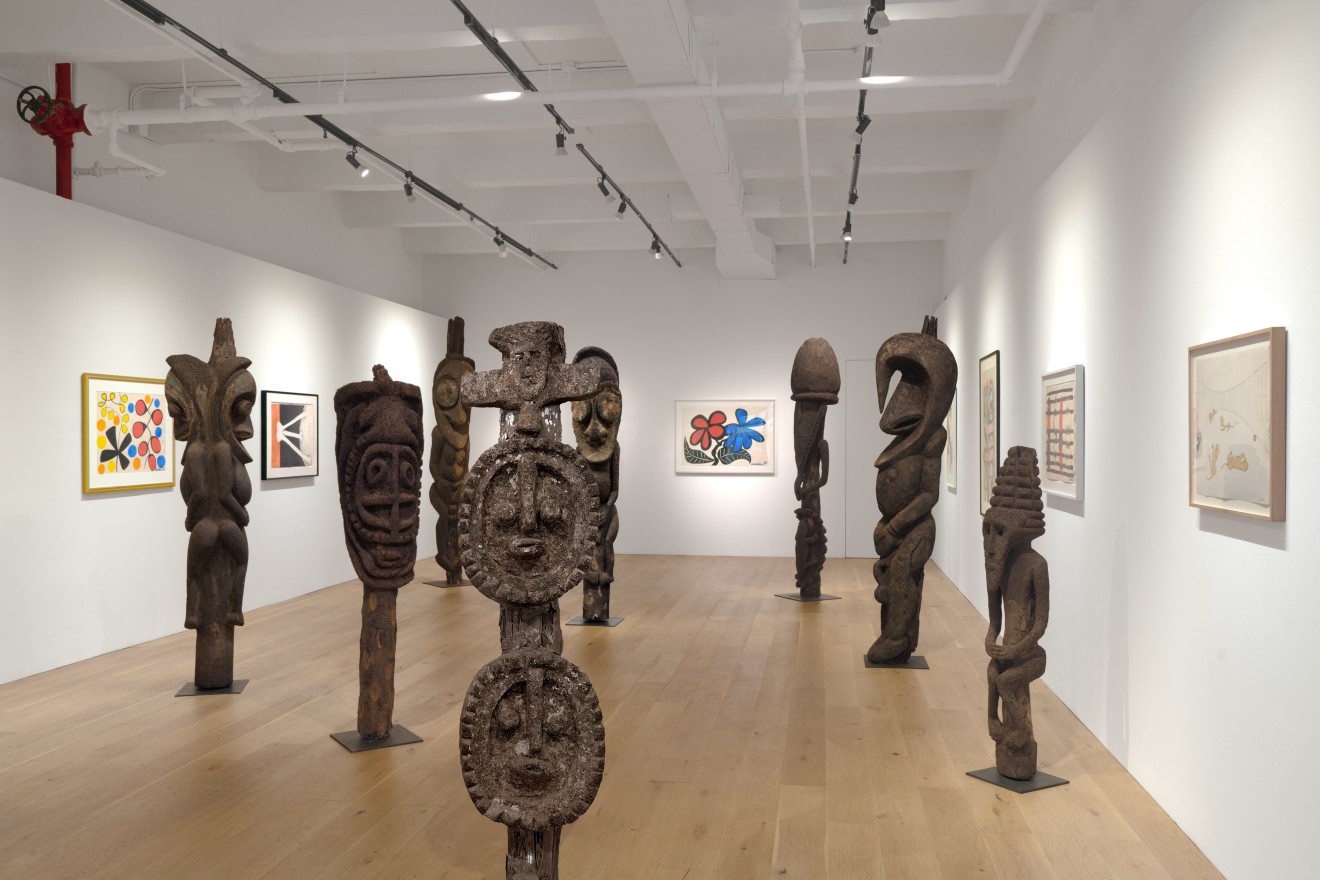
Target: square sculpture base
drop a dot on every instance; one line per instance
(916, 661)
(445, 584)
(798, 597)
(192, 690)
(582, 621)
(353, 741)
(1021, 786)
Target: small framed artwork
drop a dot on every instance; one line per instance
(1062, 438)
(127, 434)
(288, 435)
(988, 422)
(725, 437)
(1238, 397)
(951, 445)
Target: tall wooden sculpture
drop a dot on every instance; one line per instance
(907, 484)
(596, 427)
(378, 451)
(211, 404)
(1018, 581)
(531, 741)
(449, 452)
(815, 382)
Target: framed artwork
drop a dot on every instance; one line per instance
(988, 421)
(1238, 397)
(127, 434)
(1062, 439)
(951, 445)
(725, 437)
(288, 435)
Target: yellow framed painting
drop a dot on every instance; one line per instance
(127, 434)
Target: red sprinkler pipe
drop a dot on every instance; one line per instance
(64, 141)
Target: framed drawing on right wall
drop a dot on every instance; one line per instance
(1237, 418)
(988, 426)
(1062, 438)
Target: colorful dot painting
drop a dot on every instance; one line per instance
(127, 435)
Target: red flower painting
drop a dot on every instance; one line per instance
(707, 429)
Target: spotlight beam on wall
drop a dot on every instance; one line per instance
(328, 128)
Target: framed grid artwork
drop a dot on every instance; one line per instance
(1062, 442)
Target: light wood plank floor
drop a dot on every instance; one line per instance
(744, 740)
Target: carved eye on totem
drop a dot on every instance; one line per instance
(509, 715)
(609, 405)
(581, 411)
(446, 392)
(182, 426)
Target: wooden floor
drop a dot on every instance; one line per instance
(744, 740)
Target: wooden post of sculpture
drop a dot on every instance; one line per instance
(596, 427)
(1018, 582)
(907, 483)
(449, 452)
(815, 382)
(378, 451)
(211, 404)
(531, 740)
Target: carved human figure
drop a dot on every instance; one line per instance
(211, 404)
(531, 740)
(815, 383)
(596, 427)
(378, 450)
(908, 480)
(1018, 583)
(449, 450)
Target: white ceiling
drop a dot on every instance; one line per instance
(723, 173)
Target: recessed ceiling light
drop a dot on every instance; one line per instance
(501, 96)
(882, 80)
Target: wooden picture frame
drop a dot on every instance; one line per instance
(127, 434)
(289, 437)
(1062, 432)
(988, 425)
(730, 437)
(1237, 425)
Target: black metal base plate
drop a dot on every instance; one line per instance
(1021, 786)
(192, 690)
(446, 585)
(916, 661)
(582, 621)
(353, 741)
(798, 597)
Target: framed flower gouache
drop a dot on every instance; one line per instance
(127, 434)
(1238, 424)
(725, 437)
(288, 435)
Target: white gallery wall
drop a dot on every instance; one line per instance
(689, 334)
(84, 290)
(1183, 638)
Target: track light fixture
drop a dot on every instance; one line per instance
(408, 188)
(862, 123)
(876, 17)
(655, 248)
(353, 160)
(561, 140)
(852, 197)
(623, 209)
(605, 190)
(501, 245)
(847, 227)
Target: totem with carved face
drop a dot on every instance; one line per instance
(815, 382)
(596, 427)
(449, 450)
(907, 480)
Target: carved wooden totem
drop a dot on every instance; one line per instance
(907, 484)
(1018, 581)
(815, 382)
(378, 450)
(211, 404)
(596, 427)
(449, 450)
(531, 741)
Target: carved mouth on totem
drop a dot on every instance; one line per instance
(530, 774)
(527, 548)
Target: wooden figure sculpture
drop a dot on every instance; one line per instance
(449, 452)
(531, 740)
(907, 484)
(1018, 581)
(815, 383)
(596, 427)
(211, 404)
(378, 450)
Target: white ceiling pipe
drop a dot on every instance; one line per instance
(118, 153)
(99, 170)
(1024, 39)
(797, 76)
